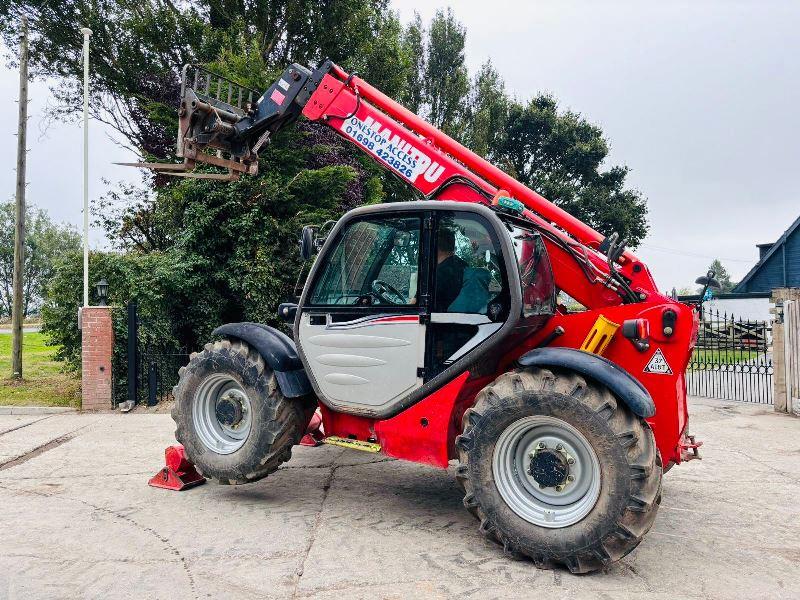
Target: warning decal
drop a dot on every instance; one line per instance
(658, 364)
(277, 97)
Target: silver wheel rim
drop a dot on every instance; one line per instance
(546, 506)
(215, 435)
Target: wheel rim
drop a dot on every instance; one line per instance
(222, 414)
(532, 456)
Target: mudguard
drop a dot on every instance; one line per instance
(621, 383)
(278, 351)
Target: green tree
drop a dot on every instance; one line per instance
(560, 155)
(446, 80)
(721, 274)
(45, 242)
(488, 112)
(138, 48)
(413, 41)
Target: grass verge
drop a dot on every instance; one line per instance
(727, 357)
(43, 383)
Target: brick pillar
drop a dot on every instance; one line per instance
(97, 346)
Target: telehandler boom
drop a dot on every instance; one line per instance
(432, 331)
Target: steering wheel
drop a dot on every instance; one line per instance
(387, 292)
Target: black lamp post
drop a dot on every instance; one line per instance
(102, 292)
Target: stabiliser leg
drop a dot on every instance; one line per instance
(178, 473)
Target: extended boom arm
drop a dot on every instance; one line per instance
(214, 115)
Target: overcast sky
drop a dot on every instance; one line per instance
(699, 98)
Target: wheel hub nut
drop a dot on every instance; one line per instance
(549, 469)
(229, 410)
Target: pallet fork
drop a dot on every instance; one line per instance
(211, 105)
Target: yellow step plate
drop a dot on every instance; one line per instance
(335, 440)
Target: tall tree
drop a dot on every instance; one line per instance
(414, 46)
(488, 112)
(721, 274)
(560, 155)
(446, 77)
(45, 243)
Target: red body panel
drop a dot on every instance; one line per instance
(404, 436)
(409, 433)
(667, 390)
(425, 157)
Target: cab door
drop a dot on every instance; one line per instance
(359, 328)
(470, 297)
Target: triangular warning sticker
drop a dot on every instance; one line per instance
(658, 364)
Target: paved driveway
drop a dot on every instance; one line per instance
(78, 520)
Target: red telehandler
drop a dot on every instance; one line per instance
(432, 331)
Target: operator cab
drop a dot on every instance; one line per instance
(405, 297)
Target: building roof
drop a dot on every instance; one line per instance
(776, 247)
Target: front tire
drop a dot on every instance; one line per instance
(557, 470)
(232, 419)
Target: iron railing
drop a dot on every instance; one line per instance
(153, 363)
(732, 359)
(158, 374)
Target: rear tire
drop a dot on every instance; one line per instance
(616, 473)
(268, 425)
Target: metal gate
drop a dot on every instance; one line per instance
(732, 359)
(152, 363)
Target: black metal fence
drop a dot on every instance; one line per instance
(152, 363)
(732, 359)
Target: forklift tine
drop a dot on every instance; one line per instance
(230, 176)
(158, 166)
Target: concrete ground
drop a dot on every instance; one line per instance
(77, 520)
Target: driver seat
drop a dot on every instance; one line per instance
(474, 295)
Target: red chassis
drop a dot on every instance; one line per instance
(426, 431)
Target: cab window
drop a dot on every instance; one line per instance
(374, 263)
(468, 274)
(470, 289)
(535, 273)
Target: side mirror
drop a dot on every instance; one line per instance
(307, 242)
(287, 312)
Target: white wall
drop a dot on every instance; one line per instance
(754, 309)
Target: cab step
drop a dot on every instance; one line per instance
(335, 440)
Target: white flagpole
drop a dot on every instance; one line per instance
(86, 33)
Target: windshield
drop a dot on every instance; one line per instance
(375, 259)
(535, 273)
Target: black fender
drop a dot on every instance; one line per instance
(621, 383)
(278, 351)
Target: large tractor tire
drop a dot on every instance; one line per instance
(232, 419)
(556, 469)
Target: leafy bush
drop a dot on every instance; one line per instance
(226, 252)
